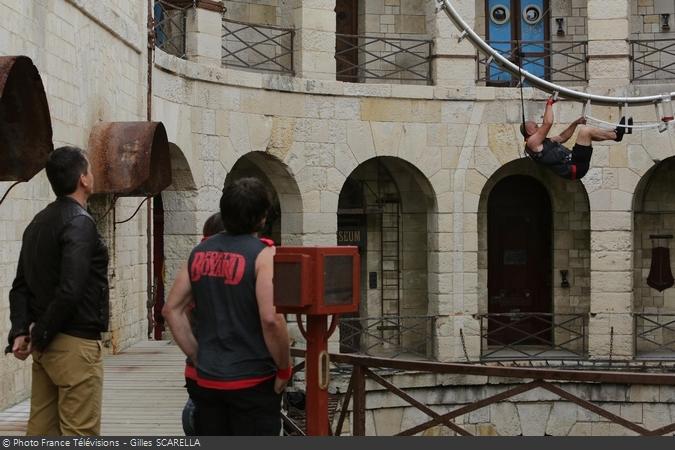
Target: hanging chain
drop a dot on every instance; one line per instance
(461, 336)
(611, 343)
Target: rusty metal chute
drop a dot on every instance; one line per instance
(25, 123)
(130, 159)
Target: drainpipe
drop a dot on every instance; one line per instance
(151, 48)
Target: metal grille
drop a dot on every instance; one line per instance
(652, 60)
(389, 336)
(170, 25)
(555, 61)
(655, 336)
(263, 48)
(361, 58)
(513, 336)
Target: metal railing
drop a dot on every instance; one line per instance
(390, 336)
(547, 379)
(511, 336)
(655, 336)
(360, 58)
(652, 59)
(264, 48)
(170, 25)
(554, 61)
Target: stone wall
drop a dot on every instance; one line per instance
(534, 413)
(89, 75)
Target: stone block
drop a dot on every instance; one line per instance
(505, 419)
(602, 302)
(643, 394)
(611, 241)
(534, 418)
(611, 261)
(562, 418)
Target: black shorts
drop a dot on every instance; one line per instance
(581, 160)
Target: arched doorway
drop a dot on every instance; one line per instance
(175, 232)
(654, 295)
(383, 208)
(519, 262)
(284, 221)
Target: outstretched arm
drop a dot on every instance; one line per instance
(534, 141)
(569, 131)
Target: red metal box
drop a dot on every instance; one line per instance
(317, 280)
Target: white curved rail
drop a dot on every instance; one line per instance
(537, 82)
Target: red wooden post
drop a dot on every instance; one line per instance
(316, 367)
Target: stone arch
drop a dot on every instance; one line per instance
(653, 215)
(570, 225)
(176, 228)
(285, 226)
(393, 206)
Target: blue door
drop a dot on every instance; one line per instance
(513, 24)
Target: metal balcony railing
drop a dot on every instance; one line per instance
(262, 48)
(554, 61)
(511, 336)
(388, 336)
(654, 336)
(555, 381)
(393, 60)
(652, 60)
(170, 25)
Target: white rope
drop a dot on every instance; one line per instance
(614, 125)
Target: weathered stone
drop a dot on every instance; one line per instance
(562, 418)
(505, 418)
(533, 418)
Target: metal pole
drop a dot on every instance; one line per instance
(151, 48)
(537, 82)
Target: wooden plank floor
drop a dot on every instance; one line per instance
(143, 394)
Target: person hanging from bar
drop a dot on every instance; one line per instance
(550, 151)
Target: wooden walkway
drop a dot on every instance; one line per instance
(143, 394)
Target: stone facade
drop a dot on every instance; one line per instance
(436, 152)
(537, 412)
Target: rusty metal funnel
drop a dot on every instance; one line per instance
(130, 158)
(25, 124)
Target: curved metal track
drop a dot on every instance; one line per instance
(537, 82)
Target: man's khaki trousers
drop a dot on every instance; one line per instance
(67, 388)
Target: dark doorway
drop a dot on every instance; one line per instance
(519, 262)
(352, 230)
(158, 265)
(346, 42)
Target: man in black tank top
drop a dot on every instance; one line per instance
(550, 152)
(241, 351)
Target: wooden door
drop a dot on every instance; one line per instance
(519, 261)
(346, 29)
(508, 23)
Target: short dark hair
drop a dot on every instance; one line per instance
(213, 225)
(522, 130)
(64, 167)
(243, 205)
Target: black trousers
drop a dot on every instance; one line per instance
(254, 411)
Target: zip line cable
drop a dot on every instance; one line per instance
(539, 83)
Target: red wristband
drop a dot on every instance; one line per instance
(550, 102)
(285, 374)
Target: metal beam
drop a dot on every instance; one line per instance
(537, 82)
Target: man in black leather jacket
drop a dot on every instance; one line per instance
(59, 304)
